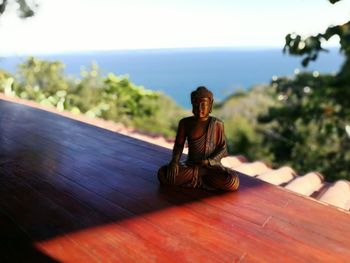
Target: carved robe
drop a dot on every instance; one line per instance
(210, 146)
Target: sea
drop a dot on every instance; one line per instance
(176, 72)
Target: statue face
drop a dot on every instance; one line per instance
(201, 108)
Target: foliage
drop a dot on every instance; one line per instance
(309, 126)
(25, 10)
(112, 97)
(240, 113)
(39, 75)
(6, 81)
(310, 47)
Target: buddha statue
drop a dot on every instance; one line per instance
(206, 146)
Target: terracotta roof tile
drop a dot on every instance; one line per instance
(338, 194)
(253, 169)
(323, 188)
(233, 161)
(306, 184)
(279, 176)
(312, 184)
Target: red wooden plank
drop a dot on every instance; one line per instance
(85, 171)
(216, 212)
(37, 226)
(16, 246)
(143, 230)
(196, 254)
(136, 189)
(57, 221)
(305, 213)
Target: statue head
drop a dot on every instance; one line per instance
(202, 102)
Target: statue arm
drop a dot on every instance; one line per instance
(173, 168)
(179, 143)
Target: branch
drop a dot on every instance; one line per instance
(333, 1)
(310, 47)
(24, 10)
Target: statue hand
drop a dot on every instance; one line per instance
(205, 162)
(173, 170)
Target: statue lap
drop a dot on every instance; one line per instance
(212, 178)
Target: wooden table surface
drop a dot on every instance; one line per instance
(72, 192)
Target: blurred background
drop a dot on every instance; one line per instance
(279, 70)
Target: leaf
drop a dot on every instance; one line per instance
(333, 1)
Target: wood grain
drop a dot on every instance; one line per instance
(72, 192)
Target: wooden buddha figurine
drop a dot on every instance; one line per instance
(206, 146)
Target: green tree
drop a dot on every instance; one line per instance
(136, 106)
(310, 47)
(240, 112)
(85, 95)
(25, 10)
(309, 123)
(39, 79)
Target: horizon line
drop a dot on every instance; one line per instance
(159, 49)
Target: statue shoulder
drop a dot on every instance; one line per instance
(186, 119)
(217, 121)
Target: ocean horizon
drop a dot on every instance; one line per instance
(176, 72)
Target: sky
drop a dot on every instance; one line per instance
(94, 25)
